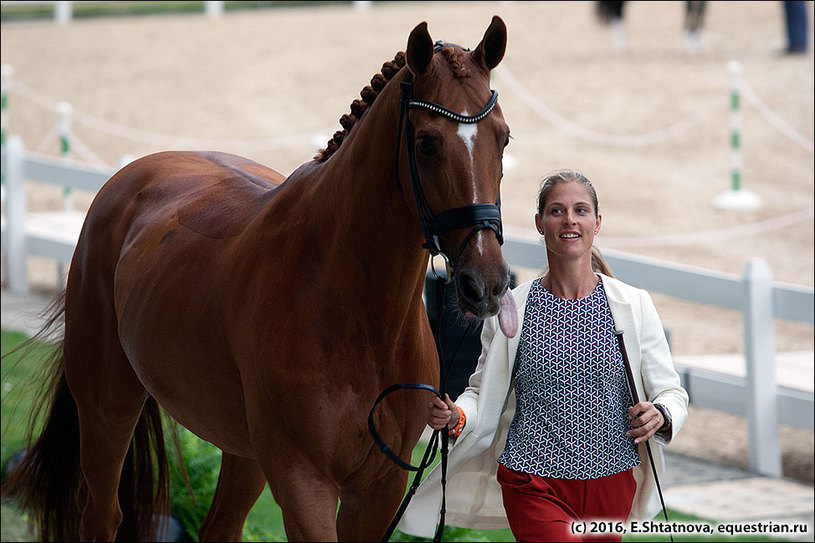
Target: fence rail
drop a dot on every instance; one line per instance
(754, 294)
(52, 234)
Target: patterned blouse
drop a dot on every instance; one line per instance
(572, 396)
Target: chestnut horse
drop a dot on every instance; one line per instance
(266, 315)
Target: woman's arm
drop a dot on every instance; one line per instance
(659, 377)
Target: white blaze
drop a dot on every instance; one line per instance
(467, 132)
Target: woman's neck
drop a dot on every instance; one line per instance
(570, 280)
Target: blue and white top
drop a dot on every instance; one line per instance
(572, 397)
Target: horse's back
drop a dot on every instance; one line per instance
(169, 208)
(206, 194)
(213, 194)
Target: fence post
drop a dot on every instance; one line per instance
(64, 110)
(736, 198)
(6, 71)
(759, 342)
(15, 215)
(63, 12)
(214, 9)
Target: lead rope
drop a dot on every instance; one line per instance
(629, 377)
(432, 446)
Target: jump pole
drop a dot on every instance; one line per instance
(736, 198)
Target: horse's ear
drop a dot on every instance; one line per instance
(419, 49)
(493, 45)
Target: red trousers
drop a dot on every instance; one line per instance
(548, 509)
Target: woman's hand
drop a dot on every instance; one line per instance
(645, 421)
(441, 413)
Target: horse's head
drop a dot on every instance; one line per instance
(455, 135)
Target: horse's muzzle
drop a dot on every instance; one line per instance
(482, 299)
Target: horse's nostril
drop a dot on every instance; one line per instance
(470, 286)
(502, 286)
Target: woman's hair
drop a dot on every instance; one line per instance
(565, 176)
(598, 263)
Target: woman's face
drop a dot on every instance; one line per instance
(568, 222)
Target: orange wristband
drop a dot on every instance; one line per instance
(455, 431)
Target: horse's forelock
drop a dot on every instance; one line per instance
(456, 61)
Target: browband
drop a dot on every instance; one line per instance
(416, 103)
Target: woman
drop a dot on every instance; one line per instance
(548, 415)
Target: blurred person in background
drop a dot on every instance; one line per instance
(611, 13)
(796, 26)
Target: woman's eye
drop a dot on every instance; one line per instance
(427, 146)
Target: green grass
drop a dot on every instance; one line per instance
(20, 376)
(202, 460)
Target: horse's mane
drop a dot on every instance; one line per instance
(358, 107)
(453, 55)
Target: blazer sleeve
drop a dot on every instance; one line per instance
(468, 400)
(660, 380)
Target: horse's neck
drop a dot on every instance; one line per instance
(357, 217)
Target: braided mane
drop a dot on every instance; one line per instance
(452, 54)
(358, 107)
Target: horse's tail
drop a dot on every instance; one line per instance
(48, 482)
(144, 489)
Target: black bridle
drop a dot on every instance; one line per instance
(479, 216)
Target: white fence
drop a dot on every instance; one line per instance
(51, 234)
(64, 9)
(761, 300)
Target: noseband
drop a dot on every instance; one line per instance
(479, 216)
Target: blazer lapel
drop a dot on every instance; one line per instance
(622, 312)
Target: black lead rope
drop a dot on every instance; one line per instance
(629, 377)
(433, 445)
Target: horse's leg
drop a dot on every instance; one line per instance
(109, 399)
(106, 428)
(357, 519)
(306, 497)
(240, 482)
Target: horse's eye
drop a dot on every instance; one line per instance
(427, 146)
(506, 139)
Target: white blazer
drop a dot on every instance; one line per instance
(473, 493)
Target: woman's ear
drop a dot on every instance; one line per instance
(538, 223)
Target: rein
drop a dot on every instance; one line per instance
(480, 217)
